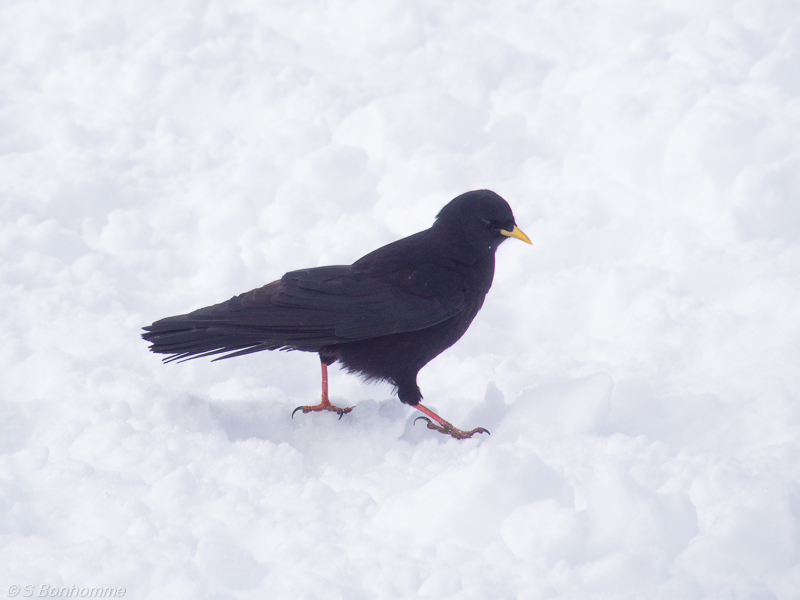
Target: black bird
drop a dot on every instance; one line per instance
(384, 317)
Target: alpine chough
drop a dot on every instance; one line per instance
(384, 317)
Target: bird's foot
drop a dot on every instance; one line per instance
(324, 405)
(447, 428)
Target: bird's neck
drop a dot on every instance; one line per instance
(456, 247)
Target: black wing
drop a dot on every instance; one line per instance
(313, 308)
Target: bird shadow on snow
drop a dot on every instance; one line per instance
(273, 421)
(593, 404)
(373, 424)
(373, 421)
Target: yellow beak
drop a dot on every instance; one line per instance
(517, 233)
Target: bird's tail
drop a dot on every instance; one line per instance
(233, 328)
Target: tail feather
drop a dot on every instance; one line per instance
(244, 324)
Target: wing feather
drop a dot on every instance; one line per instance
(309, 309)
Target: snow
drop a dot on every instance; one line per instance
(637, 367)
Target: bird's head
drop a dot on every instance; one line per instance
(482, 218)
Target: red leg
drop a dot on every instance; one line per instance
(324, 382)
(325, 404)
(444, 426)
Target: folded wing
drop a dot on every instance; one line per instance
(308, 310)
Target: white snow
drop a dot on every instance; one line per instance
(638, 367)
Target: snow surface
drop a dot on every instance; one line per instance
(638, 367)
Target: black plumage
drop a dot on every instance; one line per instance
(384, 317)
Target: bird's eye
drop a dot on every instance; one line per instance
(486, 222)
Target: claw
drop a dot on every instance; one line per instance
(323, 406)
(448, 429)
(455, 432)
(445, 426)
